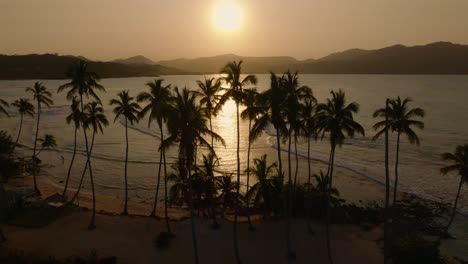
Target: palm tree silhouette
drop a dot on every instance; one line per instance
(209, 89)
(260, 192)
(207, 171)
(232, 77)
(76, 116)
(400, 121)
(272, 103)
(96, 119)
(308, 129)
(3, 105)
(24, 108)
(82, 82)
(228, 192)
(47, 142)
(187, 126)
(250, 112)
(127, 107)
(158, 100)
(459, 160)
(336, 119)
(42, 97)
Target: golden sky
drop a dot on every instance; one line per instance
(109, 29)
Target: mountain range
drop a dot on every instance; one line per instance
(434, 58)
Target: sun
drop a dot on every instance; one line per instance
(227, 16)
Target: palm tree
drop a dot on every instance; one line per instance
(83, 82)
(96, 119)
(232, 77)
(24, 108)
(3, 105)
(158, 100)
(307, 124)
(250, 112)
(401, 122)
(336, 119)
(272, 103)
(228, 192)
(47, 142)
(126, 107)
(210, 88)
(459, 160)
(187, 126)
(261, 191)
(76, 116)
(42, 97)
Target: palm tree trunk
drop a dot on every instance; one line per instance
(236, 206)
(330, 175)
(309, 227)
(2, 236)
(153, 213)
(251, 227)
(387, 192)
(278, 144)
(92, 224)
(289, 158)
(396, 169)
(289, 204)
(71, 165)
(297, 161)
(125, 211)
(84, 172)
(454, 206)
(36, 189)
(192, 213)
(215, 223)
(19, 131)
(165, 190)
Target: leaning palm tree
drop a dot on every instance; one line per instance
(210, 88)
(82, 83)
(187, 127)
(3, 105)
(47, 142)
(459, 160)
(401, 122)
(42, 97)
(158, 100)
(95, 119)
(125, 106)
(232, 77)
(250, 112)
(24, 108)
(335, 118)
(76, 116)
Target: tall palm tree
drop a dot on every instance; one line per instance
(228, 192)
(295, 94)
(308, 128)
(250, 112)
(264, 173)
(3, 105)
(76, 116)
(24, 108)
(335, 118)
(401, 122)
(125, 106)
(187, 127)
(82, 83)
(272, 103)
(42, 97)
(158, 100)
(232, 77)
(459, 160)
(209, 89)
(95, 119)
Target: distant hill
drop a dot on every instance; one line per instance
(215, 63)
(135, 60)
(52, 66)
(434, 58)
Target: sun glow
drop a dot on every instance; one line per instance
(227, 16)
